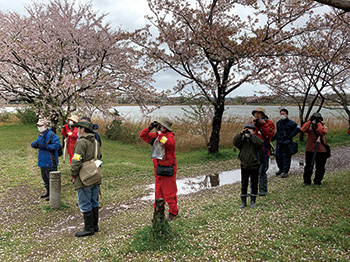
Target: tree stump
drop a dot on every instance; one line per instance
(159, 219)
(214, 179)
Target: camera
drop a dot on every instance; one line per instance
(245, 131)
(257, 121)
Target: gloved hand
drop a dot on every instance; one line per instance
(152, 125)
(35, 144)
(42, 146)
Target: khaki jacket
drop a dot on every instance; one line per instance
(84, 150)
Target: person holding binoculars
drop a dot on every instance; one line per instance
(250, 155)
(317, 151)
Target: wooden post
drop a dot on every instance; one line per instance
(55, 189)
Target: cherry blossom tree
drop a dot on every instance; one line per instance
(216, 46)
(62, 54)
(320, 66)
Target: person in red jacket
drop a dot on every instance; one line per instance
(265, 129)
(315, 130)
(164, 162)
(71, 133)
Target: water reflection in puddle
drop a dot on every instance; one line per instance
(195, 184)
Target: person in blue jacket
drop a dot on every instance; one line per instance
(48, 144)
(286, 130)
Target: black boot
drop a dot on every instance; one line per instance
(95, 215)
(252, 201)
(244, 201)
(88, 225)
(47, 194)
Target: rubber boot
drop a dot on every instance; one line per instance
(88, 225)
(95, 215)
(244, 201)
(252, 201)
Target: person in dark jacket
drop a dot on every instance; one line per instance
(88, 198)
(250, 155)
(265, 129)
(315, 144)
(48, 144)
(286, 130)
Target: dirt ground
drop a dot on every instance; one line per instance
(14, 204)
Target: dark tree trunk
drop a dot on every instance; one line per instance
(213, 145)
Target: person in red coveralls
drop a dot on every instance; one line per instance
(164, 162)
(316, 149)
(71, 133)
(265, 129)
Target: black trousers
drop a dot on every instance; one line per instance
(283, 158)
(45, 174)
(253, 174)
(320, 163)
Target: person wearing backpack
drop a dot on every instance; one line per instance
(317, 150)
(48, 144)
(250, 155)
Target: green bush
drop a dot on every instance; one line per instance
(126, 133)
(27, 115)
(4, 117)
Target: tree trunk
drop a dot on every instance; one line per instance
(213, 145)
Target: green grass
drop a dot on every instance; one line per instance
(292, 223)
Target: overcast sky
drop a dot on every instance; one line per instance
(128, 14)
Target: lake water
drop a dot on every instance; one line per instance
(240, 111)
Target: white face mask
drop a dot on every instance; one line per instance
(71, 123)
(42, 129)
(283, 117)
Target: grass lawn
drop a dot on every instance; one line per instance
(292, 223)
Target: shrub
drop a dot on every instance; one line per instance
(4, 117)
(117, 130)
(27, 115)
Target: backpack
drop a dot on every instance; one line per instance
(59, 151)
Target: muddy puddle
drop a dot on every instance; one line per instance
(195, 184)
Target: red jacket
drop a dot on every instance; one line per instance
(168, 140)
(311, 137)
(268, 130)
(72, 134)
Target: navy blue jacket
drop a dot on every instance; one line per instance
(48, 144)
(286, 130)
